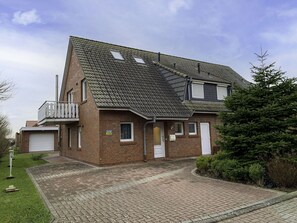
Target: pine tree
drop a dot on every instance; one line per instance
(262, 119)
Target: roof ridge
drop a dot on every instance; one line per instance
(147, 51)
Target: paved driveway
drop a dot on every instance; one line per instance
(157, 191)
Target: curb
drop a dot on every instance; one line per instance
(243, 209)
(44, 198)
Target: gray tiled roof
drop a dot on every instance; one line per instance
(140, 87)
(205, 106)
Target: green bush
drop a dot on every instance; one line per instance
(203, 163)
(229, 169)
(256, 173)
(221, 155)
(283, 172)
(38, 156)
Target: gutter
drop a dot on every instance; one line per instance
(144, 138)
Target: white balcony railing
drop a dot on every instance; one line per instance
(58, 111)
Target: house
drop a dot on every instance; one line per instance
(34, 138)
(119, 104)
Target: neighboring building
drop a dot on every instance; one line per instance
(34, 138)
(119, 104)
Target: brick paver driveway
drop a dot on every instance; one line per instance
(159, 191)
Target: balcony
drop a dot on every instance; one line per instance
(53, 113)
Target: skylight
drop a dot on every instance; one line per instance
(117, 55)
(139, 59)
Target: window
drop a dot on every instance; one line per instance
(192, 128)
(70, 96)
(127, 133)
(222, 92)
(139, 59)
(69, 137)
(84, 90)
(79, 137)
(197, 90)
(117, 55)
(179, 128)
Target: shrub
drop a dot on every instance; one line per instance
(229, 169)
(256, 173)
(37, 156)
(221, 155)
(283, 172)
(203, 164)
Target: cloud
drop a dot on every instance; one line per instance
(176, 5)
(26, 18)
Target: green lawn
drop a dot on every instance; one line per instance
(25, 205)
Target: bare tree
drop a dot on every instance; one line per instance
(4, 133)
(5, 90)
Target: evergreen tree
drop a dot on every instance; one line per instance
(262, 118)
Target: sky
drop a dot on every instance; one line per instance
(34, 37)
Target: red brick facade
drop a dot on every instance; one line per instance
(100, 130)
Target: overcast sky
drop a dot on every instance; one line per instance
(34, 36)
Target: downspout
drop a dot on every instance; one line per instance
(144, 138)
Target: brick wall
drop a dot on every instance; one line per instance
(89, 119)
(112, 150)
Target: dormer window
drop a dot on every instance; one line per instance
(222, 92)
(117, 55)
(138, 59)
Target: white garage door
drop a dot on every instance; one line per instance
(41, 142)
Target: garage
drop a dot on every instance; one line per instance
(39, 139)
(41, 142)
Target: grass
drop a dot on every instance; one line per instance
(25, 205)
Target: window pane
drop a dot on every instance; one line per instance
(192, 128)
(117, 55)
(197, 91)
(179, 128)
(139, 60)
(126, 131)
(222, 92)
(157, 136)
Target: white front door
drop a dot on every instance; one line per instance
(159, 140)
(205, 138)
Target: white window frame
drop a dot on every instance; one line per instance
(198, 92)
(116, 55)
(132, 132)
(69, 137)
(182, 128)
(70, 95)
(138, 59)
(195, 127)
(222, 92)
(79, 137)
(84, 90)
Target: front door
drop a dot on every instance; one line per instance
(205, 138)
(159, 140)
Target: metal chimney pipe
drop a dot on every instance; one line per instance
(57, 87)
(159, 57)
(198, 67)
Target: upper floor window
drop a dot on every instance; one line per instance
(138, 59)
(117, 55)
(179, 128)
(222, 92)
(197, 90)
(84, 90)
(127, 132)
(70, 96)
